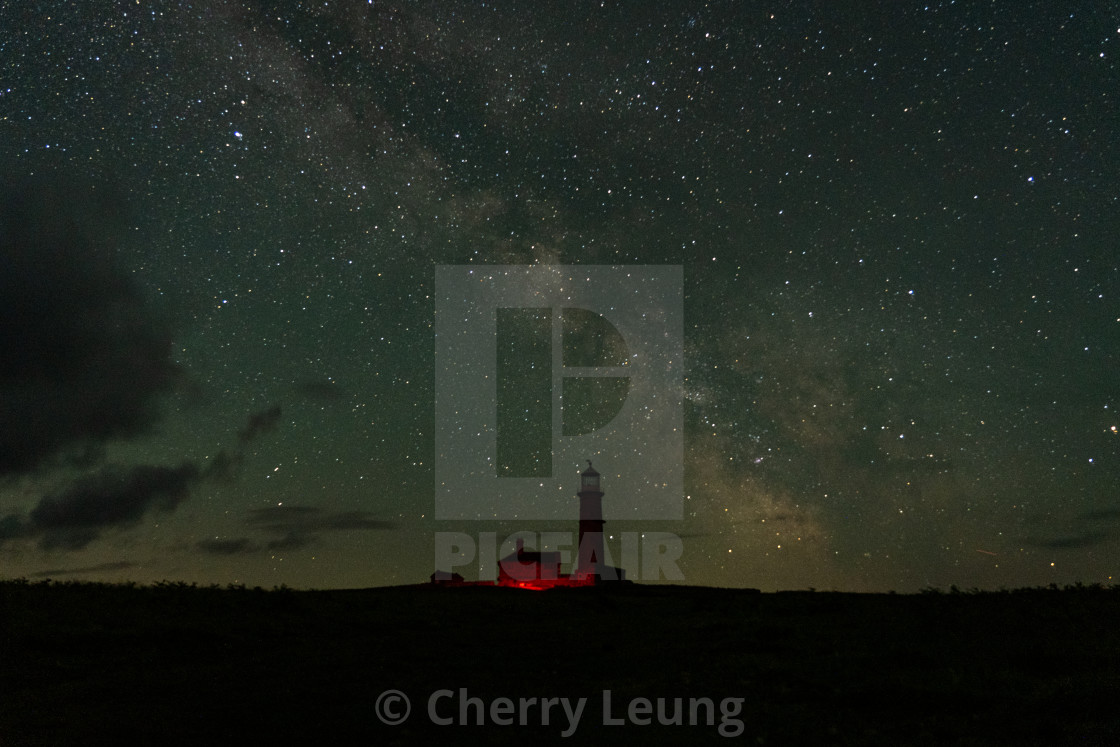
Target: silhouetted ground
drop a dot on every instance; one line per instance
(97, 664)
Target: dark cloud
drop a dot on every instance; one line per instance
(290, 541)
(121, 565)
(259, 423)
(354, 520)
(225, 464)
(227, 546)
(111, 497)
(116, 496)
(84, 357)
(293, 527)
(1074, 541)
(296, 526)
(71, 538)
(11, 527)
(308, 518)
(1088, 529)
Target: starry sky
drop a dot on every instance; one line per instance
(220, 224)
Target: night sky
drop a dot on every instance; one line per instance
(221, 222)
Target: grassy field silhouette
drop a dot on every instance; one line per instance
(175, 664)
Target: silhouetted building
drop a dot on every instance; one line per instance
(531, 569)
(590, 523)
(527, 569)
(447, 578)
(589, 563)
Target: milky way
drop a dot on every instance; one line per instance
(222, 223)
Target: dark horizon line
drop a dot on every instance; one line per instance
(167, 584)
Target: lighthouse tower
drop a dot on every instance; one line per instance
(591, 556)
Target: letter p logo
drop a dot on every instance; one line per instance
(544, 366)
(529, 392)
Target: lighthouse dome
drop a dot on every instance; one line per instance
(589, 478)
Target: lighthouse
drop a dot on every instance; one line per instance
(591, 556)
(525, 569)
